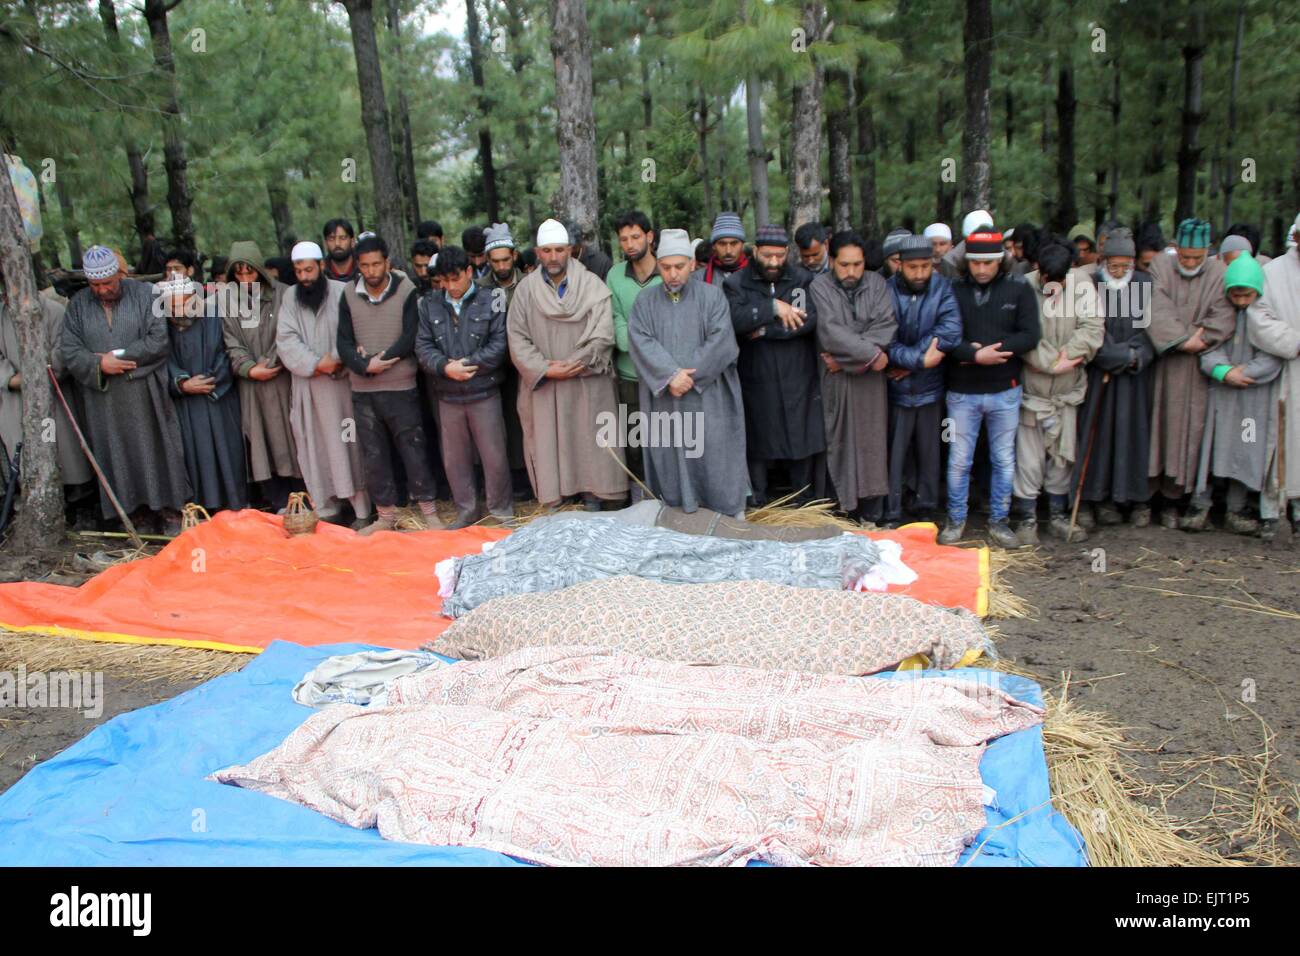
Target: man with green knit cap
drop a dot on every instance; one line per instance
(1189, 314)
(1240, 441)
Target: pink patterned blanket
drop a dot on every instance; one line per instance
(583, 756)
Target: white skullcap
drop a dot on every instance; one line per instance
(675, 242)
(306, 250)
(938, 230)
(552, 233)
(974, 220)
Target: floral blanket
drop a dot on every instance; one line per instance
(571, 756)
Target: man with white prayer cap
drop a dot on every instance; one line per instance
(940, 237)
(684, 347)
(115, 345)
(560, 330)
(324, 427)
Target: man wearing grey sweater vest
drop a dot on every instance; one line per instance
(376, 341)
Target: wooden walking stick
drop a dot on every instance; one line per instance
(1087, 455)
(90, 457)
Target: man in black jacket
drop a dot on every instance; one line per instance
(775, 318)
(999, 316)
(461, 344)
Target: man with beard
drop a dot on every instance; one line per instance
(775, 321)
(250, 315)
(473, 240)
(1055, 382)
(502, 279)
(1282, 298)
(561, 335)
(856, 323)
(324, 429)
(999, 319)
(595, 260)
(206, 402)
(639, 272)
(893, 242)
(423, 256)
(1189, 314)
(684, 349)
(115, 346)
(726, 248)
(811, 240)
(378, 322)
(1117, 405)
(940, 237)
(340, 240)
(929, 326)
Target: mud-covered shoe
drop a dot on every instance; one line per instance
(1239, 523)
(1268, 529)
(1002, 535)
(952, 532)
(464, 519)
(385, 522)
(1195, 520)
(1086, 517)
(1059, 526)
(1169, 518)
(1107, 516)
(1027, 533)
(1140, 516)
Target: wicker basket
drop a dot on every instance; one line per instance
(299, 515)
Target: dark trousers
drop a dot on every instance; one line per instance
(914, 433)
(480, 426)
(629, 394)
(800, 471)
(388, 421)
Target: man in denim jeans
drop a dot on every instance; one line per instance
(999, 316)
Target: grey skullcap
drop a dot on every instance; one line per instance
(894, 241)
(914, 247)
(1234, 244)
(675, 242)
(1119, 243)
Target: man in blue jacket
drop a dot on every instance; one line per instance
(929, 325)
(461, 345)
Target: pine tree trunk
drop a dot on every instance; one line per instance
(806, 124)
(702, 132)
(978, 54)
(69, 216)
(1231, 168)
(1189, 148)
(757, 154)
(175, 162)
(523, 129)
(281, 217)
(1067, 211)
(405, 145)
(575, 119)
(374, 117)
(40, 523)
(868, 216)
(944, 197)
(486, 166)
(139, 191)
(1112, 204)
(839, 126)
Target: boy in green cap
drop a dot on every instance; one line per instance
(1240, 440)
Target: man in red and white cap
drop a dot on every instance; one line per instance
(999, 315)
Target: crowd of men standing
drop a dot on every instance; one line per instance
(891, 376)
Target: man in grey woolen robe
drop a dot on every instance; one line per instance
(856, 323)
(684, 347)
(115, 346)
(207, 403)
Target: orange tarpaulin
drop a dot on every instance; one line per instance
(238, 582)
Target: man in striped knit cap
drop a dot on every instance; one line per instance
(727, 242)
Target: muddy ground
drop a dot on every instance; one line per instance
(1172, 669)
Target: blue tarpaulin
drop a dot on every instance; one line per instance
(133, 793)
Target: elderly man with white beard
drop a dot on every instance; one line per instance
(1118, 403)
(1189, 314)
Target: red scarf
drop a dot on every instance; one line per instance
(708, 272)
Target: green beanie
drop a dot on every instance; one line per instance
(1244, 272)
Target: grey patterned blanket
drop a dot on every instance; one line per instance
(560, 552)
